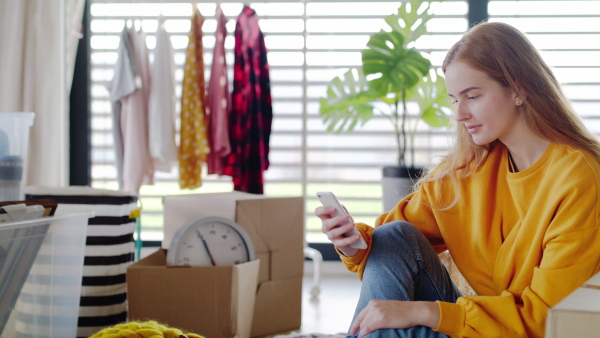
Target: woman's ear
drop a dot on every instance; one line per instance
(520, 93)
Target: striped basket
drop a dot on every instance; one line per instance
(109, 250)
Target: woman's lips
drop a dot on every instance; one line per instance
(473, 129)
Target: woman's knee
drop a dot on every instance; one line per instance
(396, 229)
(399, 236)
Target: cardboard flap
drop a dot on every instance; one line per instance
(192, 206)
(249, 216)
(157, 258)
(283, 295)
(276, 227)
(244, 291)
(276, 223)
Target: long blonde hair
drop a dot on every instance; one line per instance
(508, 57)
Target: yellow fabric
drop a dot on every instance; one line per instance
(193, 143)
(147, 329)
(135, 213)
(523, 241)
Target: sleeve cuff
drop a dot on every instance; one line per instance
(353, 260)
(356, 263)
(452, 318)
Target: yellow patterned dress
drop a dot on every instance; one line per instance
(193, 142)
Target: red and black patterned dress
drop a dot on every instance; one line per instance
(251, 113)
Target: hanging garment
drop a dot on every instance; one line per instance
(218, 101)
(138, 166)
(251, 114)
(193, 143)
(122, 84)
(161, 109)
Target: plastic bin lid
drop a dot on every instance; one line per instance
(45, 220)
(28, 116)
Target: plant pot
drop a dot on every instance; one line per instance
(397, 182)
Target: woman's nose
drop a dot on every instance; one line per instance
(461, 113)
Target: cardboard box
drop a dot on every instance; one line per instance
(578, 315)
(276, 227)
(207, 300)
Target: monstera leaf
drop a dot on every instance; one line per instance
(432, 98)
(348, 102)
(393, 66)
(393, 72)
(411, 19)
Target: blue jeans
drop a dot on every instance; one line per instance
(402, 265)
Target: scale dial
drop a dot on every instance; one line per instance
(210, 241)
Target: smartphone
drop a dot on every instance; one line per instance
(328, 199)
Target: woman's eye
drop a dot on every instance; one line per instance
(472, 97)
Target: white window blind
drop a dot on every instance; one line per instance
(568, 35)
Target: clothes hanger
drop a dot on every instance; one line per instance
(137, 23)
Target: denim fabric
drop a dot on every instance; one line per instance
(402, 265)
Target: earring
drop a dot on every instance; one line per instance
(519, 102)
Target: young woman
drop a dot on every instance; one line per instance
(516, 202)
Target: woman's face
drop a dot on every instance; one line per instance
(486, 109)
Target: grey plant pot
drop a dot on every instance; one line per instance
(397, 182)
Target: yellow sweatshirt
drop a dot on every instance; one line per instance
(523, 241)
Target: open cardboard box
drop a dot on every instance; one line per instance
(276, 227)
(578, 315)
(213, 301)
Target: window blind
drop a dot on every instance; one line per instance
(308, 44)
(568, 36)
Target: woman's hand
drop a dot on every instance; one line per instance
(393, 314)
(335, 227)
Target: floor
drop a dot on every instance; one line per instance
(331, 312)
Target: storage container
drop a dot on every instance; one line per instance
(41, 265)
(14, 146)
(109, 250)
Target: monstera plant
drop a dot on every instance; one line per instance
(393, 73)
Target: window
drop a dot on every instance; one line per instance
(309, 43)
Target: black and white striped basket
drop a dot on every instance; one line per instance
(109, 250)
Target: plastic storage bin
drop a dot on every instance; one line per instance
(109, 250)
(14, 146)
(41, 266)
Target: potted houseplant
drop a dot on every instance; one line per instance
(393, 73)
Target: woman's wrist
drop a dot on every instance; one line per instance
(430, 314)
(349, 252)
